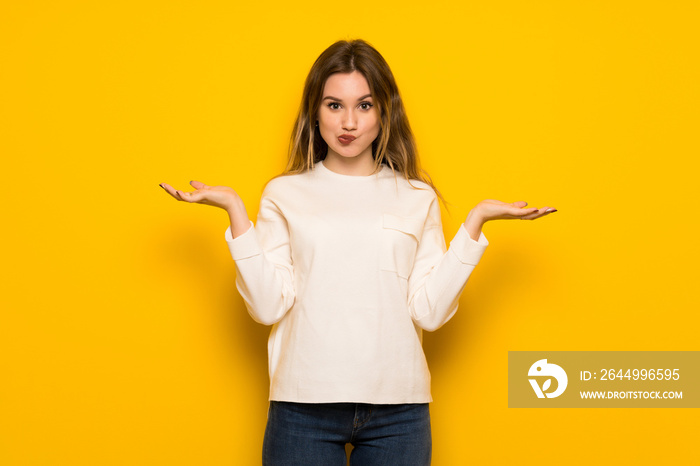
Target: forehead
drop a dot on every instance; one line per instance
(346, 85)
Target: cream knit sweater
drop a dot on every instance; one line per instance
(348, 270)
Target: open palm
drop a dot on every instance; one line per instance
(218, 196)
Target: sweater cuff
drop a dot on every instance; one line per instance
(245, 245)
(466, 249)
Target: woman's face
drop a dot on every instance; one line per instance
(347, 119)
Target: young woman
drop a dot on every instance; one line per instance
(348, 263)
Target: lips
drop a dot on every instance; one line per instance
(346, 138)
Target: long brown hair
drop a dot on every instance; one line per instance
(395, 145)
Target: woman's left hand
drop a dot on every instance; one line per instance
(491, 209)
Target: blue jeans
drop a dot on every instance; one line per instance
(316, 434)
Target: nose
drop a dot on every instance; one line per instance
(349, 121)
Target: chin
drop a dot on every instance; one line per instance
(347, 154)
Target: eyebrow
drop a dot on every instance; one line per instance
(330, 97)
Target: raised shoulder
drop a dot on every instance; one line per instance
(422, 186)
(417, 189)
(281, 184)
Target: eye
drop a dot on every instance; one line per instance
(334, 105)
(366, 105)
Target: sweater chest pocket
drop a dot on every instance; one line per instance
(400, 238)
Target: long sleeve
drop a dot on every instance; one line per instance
(439, 275)
(265, 276)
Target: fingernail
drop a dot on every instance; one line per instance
(551, 210)
(161, 185)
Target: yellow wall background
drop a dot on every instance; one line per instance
(122, 338)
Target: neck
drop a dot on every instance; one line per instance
(361, 165)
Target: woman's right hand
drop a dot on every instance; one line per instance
(218, 196)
